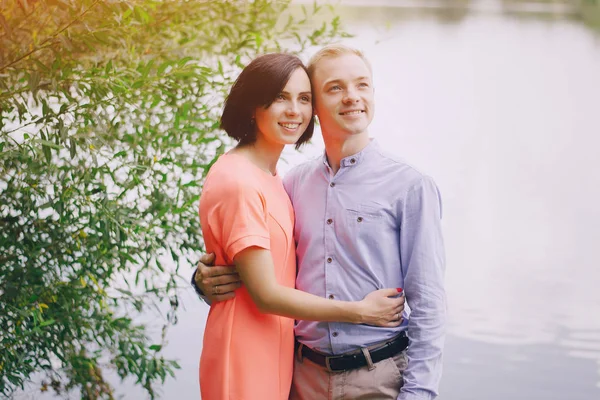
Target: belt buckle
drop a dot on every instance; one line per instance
(328, 365)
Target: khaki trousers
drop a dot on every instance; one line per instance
(314, 382)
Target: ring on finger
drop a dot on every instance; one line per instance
(215, 290)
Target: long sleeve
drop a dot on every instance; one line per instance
(423, 265)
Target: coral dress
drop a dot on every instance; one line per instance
(247, 355)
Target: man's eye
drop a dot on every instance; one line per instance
(363, 84)
(335, 88)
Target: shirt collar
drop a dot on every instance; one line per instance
(355, 159)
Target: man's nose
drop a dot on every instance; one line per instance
(351, 96)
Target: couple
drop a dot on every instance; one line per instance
(361, 223)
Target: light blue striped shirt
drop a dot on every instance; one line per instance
(374, 224)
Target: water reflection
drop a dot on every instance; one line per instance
(588, 11)
(518, 372)
(454, 11)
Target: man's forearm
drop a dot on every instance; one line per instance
(426, 332)
(426, 297)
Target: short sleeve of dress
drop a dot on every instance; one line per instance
(238, 217)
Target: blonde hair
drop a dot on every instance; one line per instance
(334, 50)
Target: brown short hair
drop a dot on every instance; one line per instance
(258, 85)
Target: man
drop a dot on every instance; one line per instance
(364, 221)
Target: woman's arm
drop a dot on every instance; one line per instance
(256, 269)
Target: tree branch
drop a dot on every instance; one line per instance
(41, 46)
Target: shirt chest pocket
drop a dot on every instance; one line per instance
(362, 215)
(363, 224)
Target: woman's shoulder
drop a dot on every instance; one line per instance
(230, 187)
(229, 175)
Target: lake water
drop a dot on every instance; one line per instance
(500, 109)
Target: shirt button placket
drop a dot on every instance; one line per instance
(329, 246)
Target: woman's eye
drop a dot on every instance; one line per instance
(363, 84)
(305, 98)
(335, 88)
(281, 97)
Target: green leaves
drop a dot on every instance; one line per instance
(141, 15)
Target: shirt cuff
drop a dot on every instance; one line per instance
(423, 395)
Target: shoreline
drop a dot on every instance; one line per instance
(484, 7)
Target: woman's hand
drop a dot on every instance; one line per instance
(382, 308)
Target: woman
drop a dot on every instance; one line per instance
(247, 221)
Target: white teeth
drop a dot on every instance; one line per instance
(290, 126)
(352, 112)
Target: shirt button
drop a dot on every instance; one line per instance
(352, 160)
(334, 334)
(331, 297)
(359, 219)
(329, 221)
(329, 260)
(332, 184)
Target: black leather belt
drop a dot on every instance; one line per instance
(353, 361)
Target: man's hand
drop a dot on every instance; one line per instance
(216, 282)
